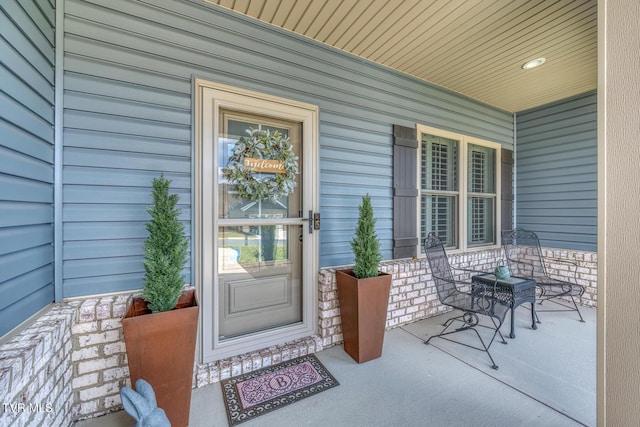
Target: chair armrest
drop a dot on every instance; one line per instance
(467, 273)
(469, 270)
(572, 265)
(457, 283)
(453, 281)
(561, 261)
(473, 285)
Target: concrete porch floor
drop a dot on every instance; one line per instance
(547, 377)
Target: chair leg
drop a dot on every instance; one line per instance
(497, 328)
(486, 349)
(470, 325)
(448, 322)
(576, 306)
(566, 307)
(534, 317)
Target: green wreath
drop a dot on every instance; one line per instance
(262, 145)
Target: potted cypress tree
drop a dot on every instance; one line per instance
(363, 292)
(160, 326)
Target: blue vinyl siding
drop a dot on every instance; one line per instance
(26, 159)
(557, 175)
(128, 108)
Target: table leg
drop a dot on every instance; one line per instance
(534, 325)
(513, 323)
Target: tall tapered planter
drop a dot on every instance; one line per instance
(161, 349)
(363, 312)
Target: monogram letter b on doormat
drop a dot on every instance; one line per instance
(250, 395)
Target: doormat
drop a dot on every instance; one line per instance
(256, 393)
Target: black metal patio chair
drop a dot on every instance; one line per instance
(525, 259)
(472, 299)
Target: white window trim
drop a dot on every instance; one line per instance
(463, 184)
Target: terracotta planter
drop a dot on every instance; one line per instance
(363, 311)
(161, 350)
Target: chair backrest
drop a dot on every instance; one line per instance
(439, 264)
(523, 246)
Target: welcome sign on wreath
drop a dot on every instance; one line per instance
(262, 166)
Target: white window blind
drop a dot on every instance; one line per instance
(440, 187)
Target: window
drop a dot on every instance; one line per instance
(481, 195)
(439, 187)
(459, 188)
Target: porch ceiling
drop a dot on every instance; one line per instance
(474, 47)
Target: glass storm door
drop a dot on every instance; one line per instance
(255, 190)
(259, 240)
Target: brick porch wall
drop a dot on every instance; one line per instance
(36, 372)
(586, 269)
(73, 358)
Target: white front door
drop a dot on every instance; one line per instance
(256, 255)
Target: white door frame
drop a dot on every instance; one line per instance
(209, 99)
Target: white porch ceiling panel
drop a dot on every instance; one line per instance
(474, 47)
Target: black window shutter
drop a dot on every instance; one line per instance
(405, 192)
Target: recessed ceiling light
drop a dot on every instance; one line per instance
(533, 63)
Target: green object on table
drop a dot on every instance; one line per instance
(502, 271)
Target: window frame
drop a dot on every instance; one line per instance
(463, 193)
